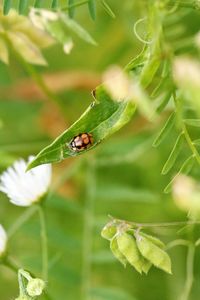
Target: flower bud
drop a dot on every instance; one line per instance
(35, 287)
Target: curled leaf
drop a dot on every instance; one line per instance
(102, 118)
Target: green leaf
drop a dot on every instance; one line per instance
(192, 122)
(128, 247)
(108, 9)
(54, 4)
(26, 48)
(163, 101)
(116, 252)
(173, 155)
(185, 168)
(149, 71)
(102, 118)
(38, 3)
(153, 253)
(92, 8)
(78, 29)
(139, 60)
(59, 33)
(71, 10)
(165, 130)
(7, 4)
(22, 6)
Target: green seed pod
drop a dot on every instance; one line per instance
(116, 252)
(154, 254)
(153, 239)
(146, 265)
(128, 247)
(108, 231)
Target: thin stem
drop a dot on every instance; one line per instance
(44, 245)
(189, 273)
(8, 262)
(21, 220)
(176, 243)
(75, 5)
(87, 231)
(164, 224)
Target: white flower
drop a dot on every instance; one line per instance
(3, 240)
(186, 72)
(25, 188)
(186, 194)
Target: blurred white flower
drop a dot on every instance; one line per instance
(122, 87)
(186, 71)
(3, 240)
(186, 194)
(117, 84)
(25, 188)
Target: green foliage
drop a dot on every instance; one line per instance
(103, 117)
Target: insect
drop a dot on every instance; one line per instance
(81, 142)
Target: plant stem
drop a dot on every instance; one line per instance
(8, 262)
(164, 224)
(44, 245)
(176, 243)
(88, 230)
(21, 220)
(189, 273)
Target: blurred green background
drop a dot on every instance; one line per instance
(122, 177)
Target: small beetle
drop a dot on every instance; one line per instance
(81, 142)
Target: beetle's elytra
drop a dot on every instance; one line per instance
(81, 142)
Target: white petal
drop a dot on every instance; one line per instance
(3, 240)
(24, 188)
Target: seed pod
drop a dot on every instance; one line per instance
(128, 247)
(116, 252)
(154, 254)
(153, 239)
(108, 231)
(146, 265)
